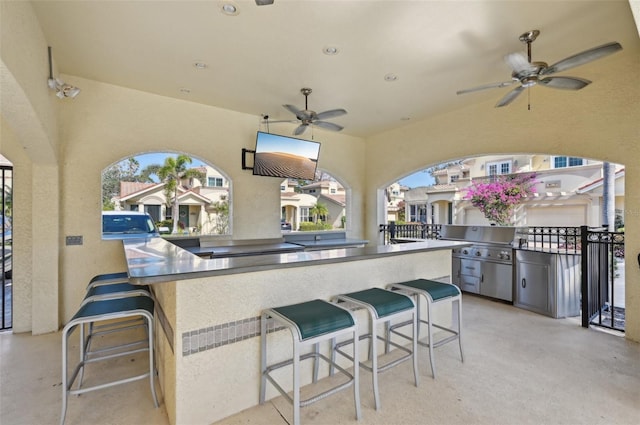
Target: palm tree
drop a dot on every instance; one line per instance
(171, 174)
(318, 210)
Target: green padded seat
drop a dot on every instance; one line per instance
(109, 278)
(384, 302)
(114, 288)
(437, 290)
(317, 317)
(111, 306)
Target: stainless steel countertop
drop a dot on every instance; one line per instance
(155, 260)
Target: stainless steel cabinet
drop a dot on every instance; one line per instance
(533, 278)
(497, 281)
(548, 283)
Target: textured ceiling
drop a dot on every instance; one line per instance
(259, 59)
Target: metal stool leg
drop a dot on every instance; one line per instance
(263, 357)
(430, 329)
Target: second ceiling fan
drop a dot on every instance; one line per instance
(307, 117)
(528, 73)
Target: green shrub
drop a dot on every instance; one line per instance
(308, 226)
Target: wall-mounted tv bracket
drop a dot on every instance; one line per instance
(244, 158)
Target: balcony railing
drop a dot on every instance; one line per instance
(395, 233)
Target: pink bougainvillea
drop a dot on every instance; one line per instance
(498, 199)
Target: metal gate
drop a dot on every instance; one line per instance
(6, 270)
(602, 259)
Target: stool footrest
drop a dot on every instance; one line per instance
(316, 397)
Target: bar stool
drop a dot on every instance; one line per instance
(309, 323)
(434, 293)
(108, 286)
(384, 306)
(92, 310)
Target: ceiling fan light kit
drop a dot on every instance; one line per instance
(528, 73)
(62, 89)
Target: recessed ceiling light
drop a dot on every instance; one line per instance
(330, 50)
(229, 9)
(200, 65)
(185, 90)
(405, 118)
(391, 77)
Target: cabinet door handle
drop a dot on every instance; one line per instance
(524, 282)
(482, 278)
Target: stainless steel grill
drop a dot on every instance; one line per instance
(486, 267)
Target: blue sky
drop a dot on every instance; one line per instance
(421, 178)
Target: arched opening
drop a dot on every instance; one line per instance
(183, 194)
(565, 195)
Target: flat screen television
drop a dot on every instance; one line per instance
(285, 157)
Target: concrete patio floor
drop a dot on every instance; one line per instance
(520, 368)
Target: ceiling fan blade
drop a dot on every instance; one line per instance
(279, 121)
(582, 58)
(510, 97)
(299, 113)
(566, 83)
(486, 86)
(293, 109)
(330, 114)
(518, 62)
(328, 125)
(300, 129)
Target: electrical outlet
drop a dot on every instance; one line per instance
(74, 240)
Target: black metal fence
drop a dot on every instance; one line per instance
(602, 265)
(399, 233)
(563, 240)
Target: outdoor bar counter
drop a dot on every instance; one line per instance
(208, 341)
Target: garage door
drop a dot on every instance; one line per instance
(571, 215)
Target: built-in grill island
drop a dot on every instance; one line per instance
(500, 264)
(486, 267)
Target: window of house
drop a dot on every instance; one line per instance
(283, 188)
(154, 211)
(418, 213)
(333, 191)
(214, 182)
(454, 178)
(567, 161)
(498, 168)
(304, 214)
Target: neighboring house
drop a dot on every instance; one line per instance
(395, 196)
(197, 212)
(569, 191)
(297, 201)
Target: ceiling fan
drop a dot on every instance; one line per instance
(528, 73)
(307, 117)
